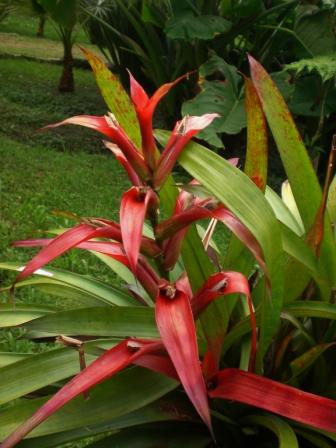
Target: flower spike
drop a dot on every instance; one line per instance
(145, 108)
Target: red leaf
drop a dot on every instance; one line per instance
(145, 108)
(176, 325)
(144, 272)
(57, 247)
(133, 209)
(254, 390)
(181, 220)
(222, 284)
(111, 362)
(109, 126)
(119, 155)
(158, 363)
(184, 130)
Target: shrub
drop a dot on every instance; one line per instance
(174, 322)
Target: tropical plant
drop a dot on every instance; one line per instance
(173, 323)
(64, 14)
(42, 16)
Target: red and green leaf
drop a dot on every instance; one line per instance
(111, 362)
(257, 144)
(115, 96)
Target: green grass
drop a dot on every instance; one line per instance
(29, 100)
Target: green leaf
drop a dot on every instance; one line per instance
(115, 97)
(316, 439)
(282, 212)
(166, 436)
(113, 399)
(304, 361)
(285, 434)
(299, 169)
(7, 358)
(324, 66)
(218, 97)
(188, 27)
(38, 371)
(99, 290)
(311, 308)
(15, 315)
(99, 321)
(316, 32)
(64, 12)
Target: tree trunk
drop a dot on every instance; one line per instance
(66, 83)
(42, 20)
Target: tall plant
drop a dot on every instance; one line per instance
(176, 323)
(64, 13)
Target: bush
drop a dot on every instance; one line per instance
(266, 345)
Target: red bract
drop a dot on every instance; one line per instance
(176, 325)
(247, 388)
(119, 155)
(57, 247)
(134, 205)
(222, 284)
(208, 209)
(109, 126)
(183, 132)
(145, 108)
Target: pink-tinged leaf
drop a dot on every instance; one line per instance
(172, 249)
(119, 155)
(181, 220)
(223, 284)
(183, 284)
(145, 108)
(109, 126)
(234, 161)
(184, 130)
(158, 363)
(134, 205)
(257, 143)
(244, 235)
(57, 247)
(111, 230)
(254, 390)
(176, 325)
(111, 362)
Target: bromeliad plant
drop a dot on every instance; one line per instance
(174, 325)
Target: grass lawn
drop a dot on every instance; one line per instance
(65, 169)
